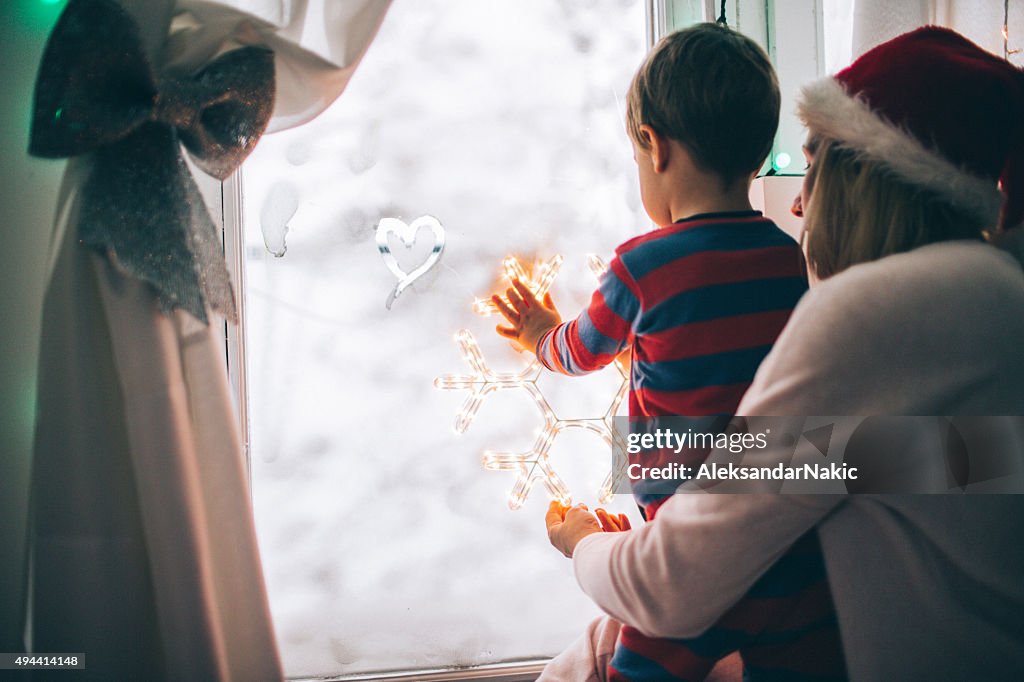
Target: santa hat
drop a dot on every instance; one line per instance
(939, 112)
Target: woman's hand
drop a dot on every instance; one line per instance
(610, 523)
(530, 319)
(568, 525)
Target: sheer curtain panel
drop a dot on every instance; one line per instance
(142, 547)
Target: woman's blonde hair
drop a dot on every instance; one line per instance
(859, 211)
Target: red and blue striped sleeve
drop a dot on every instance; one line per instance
(601, 332)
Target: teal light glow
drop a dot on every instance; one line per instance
(782, 161)
(31, 17)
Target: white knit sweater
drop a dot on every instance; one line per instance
(926, 587)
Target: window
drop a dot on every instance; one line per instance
(386, 545)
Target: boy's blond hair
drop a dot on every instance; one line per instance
(714, 91)
(858, 211)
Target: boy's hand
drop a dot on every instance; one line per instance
(568, 525)
(530, 319)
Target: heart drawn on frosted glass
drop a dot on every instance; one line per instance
(407, 233)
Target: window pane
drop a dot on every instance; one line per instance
(386, 544)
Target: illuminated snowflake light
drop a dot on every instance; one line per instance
(538, 280)
(534, 465)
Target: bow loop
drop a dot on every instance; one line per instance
(94, 86)
(234, 109)
(96, 92)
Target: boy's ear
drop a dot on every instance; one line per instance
(658, 147)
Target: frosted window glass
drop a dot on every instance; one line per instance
(386, 545)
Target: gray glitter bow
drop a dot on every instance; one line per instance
(97, 92)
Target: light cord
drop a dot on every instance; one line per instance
(1007, 52)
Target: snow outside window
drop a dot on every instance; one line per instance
(386, 545)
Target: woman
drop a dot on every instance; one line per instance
(915, 312)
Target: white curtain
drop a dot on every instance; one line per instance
(143, 553)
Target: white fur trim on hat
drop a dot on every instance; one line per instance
(828, 110)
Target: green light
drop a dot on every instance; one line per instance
(33, 17)
(782, 161)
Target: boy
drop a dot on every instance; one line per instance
(699, 301)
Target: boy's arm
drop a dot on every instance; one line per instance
(588, 343)
(600, 333)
